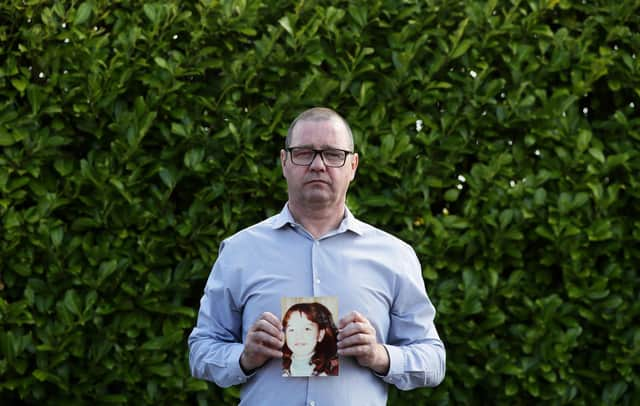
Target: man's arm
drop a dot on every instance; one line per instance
(417, 355)
(215, 344)
(216, 349)
(414, 355)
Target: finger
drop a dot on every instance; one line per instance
(267, 322)
(356, 328)
(267, 327)
(271, 353)
(272, 319)
(260, 338)
(356, 351)
(353, 317)
(357, 340)
(263, 349)
(349, 318)
(253, 355)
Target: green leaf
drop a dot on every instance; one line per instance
(6, 139)
(597, 154)
(83, 13)
(150, 10)
(455, 38)
(617, 160)
(462, 48)
(40, 375)
(455, 222)
(163, 342)
(57, 234)
(359, 14)
(168, 177)
(597, 190)
(584, 138)
(564, 202)
(9, 345)
(613, 392)
(248, 31)
(161, 62)
(451, 195)
(600, 230)
(164, 370)
(63, 166)
(20, 84)
(505, 218)
(193, 157)
(580, 199)
(72, 302)
(106, 269)
(286, 24)
(540, 197)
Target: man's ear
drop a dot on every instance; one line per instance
(283, 160)
(354, 165)
(321, 335)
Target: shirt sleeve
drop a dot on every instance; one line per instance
(416, 354)
(215, 344)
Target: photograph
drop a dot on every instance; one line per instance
(311, 336)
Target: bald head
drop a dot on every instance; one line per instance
(319, 114)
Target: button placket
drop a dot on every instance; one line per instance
(314, 266)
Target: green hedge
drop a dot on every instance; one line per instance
(500, 138)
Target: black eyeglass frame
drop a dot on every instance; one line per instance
(320, 152)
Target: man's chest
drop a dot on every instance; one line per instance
(359, 284)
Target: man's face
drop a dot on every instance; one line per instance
(302, 334)
(317, 185)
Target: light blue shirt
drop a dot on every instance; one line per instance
(369, 271)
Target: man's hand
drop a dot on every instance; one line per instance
(357, 338)
(264, 341)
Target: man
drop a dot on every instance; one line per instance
(315, 247)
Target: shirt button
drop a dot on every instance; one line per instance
(317, 280)
(312, 403)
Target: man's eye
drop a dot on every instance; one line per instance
(303, 153)
(330, 154)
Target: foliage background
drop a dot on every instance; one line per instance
(500, 138)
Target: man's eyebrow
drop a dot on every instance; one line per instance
(325, 146)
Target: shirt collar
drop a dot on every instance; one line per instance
(349, 222)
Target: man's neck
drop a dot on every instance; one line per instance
(318, 221)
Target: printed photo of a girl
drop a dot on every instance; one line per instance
(310, 341)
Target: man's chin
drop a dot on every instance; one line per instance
(318, 198)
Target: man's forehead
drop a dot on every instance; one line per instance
(320, 121)
(320, 127)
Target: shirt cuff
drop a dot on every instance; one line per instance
(396, 361)
(235, 369)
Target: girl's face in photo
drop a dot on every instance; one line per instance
(302, 334)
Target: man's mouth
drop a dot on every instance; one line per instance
(317, 181)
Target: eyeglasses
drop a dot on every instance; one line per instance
(333, 158)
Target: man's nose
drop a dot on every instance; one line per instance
(317, 163)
